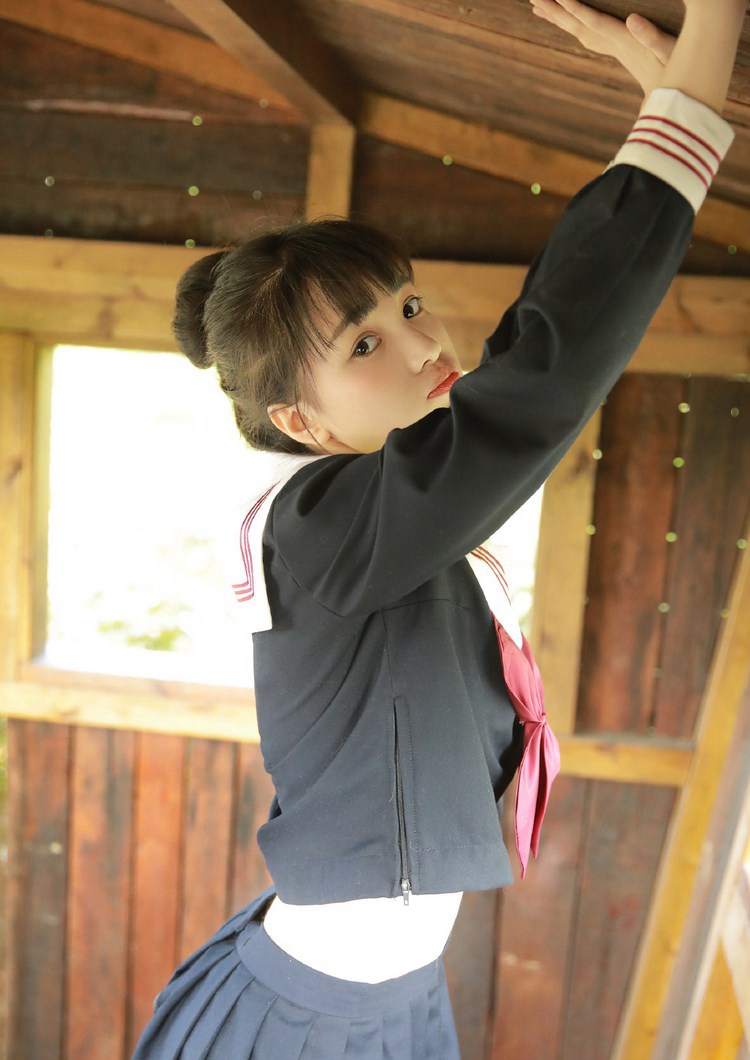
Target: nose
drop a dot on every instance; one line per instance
(424, 349)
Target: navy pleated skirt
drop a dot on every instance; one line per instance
(241, 997)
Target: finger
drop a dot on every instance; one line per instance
(593, 20)
(651, 37)
(554, 12)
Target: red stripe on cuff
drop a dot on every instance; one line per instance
(658, 147)
(682, 146)
(687, 132)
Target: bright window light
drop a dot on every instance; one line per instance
(145, 458)
(145, 464)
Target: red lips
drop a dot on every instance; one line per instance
(445, 384)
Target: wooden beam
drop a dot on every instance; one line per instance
(179, 708)
(283, 49)
(727, 683)
(16, 486)
(719, 1033)
(625, 759)
(735, 939)
(121, 294)
(139, 40)
(561, 574)
(475, 145)
(513, 158)
(329, 171)
(715, 910)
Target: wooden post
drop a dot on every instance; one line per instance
(728, 680)
(329, 170)
(561, 573)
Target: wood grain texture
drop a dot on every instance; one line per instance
(301, 68)
(329, 171)
(561, 574)
(629, 554)
(711, 512)
(38, 821)
(126, 36)
(623, 841)
(207, 841)
(16, 491)
(727, 681)
(536, 931)
(99, 894)
(155, 887)
(52, 74)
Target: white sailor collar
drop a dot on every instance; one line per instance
(245, 549)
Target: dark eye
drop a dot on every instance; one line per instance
(365, 346)
(412, 306)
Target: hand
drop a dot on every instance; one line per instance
(637, 44)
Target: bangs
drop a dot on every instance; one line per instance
(331, 275)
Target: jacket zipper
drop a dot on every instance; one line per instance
(405, 881)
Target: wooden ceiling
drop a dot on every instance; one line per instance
(199, 120)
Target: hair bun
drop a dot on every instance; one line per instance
(193, 289)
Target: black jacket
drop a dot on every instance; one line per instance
(384, 719)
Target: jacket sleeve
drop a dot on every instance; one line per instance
(360, 532)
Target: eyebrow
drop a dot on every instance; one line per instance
(358, 315)
(355, 317)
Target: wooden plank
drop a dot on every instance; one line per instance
(228, 714)
(713, 504)
(469, 969)
(252, 801)
(117, 291)
(140, 40)
(629, 554)
(561, 575)
(98, 894)
(16, 489)
(623, 839)
(736, 953)
(39, 756)
(207, 827)
(476, 146)
(329, 170)
(283, 50)
(52, 75)
(511, 156)
(151, 215)
(649, 760)
(156, 875)
(142, 152)
(535, 931)
(219, 715)
(719, 1034)
(729, 676)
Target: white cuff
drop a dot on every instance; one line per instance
(680, 140)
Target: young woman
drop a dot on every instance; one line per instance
(396, 695)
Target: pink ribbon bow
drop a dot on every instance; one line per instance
(540, 763)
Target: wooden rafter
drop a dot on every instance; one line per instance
(678, 873)
(283, 51)
(140, 40)
(256, 53)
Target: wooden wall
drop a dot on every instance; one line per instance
(128, 849)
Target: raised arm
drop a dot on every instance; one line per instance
(699, 63)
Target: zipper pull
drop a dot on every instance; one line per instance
(406, 889)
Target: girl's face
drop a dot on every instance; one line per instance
(377, 374)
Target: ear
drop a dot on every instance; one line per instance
(301, 426)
